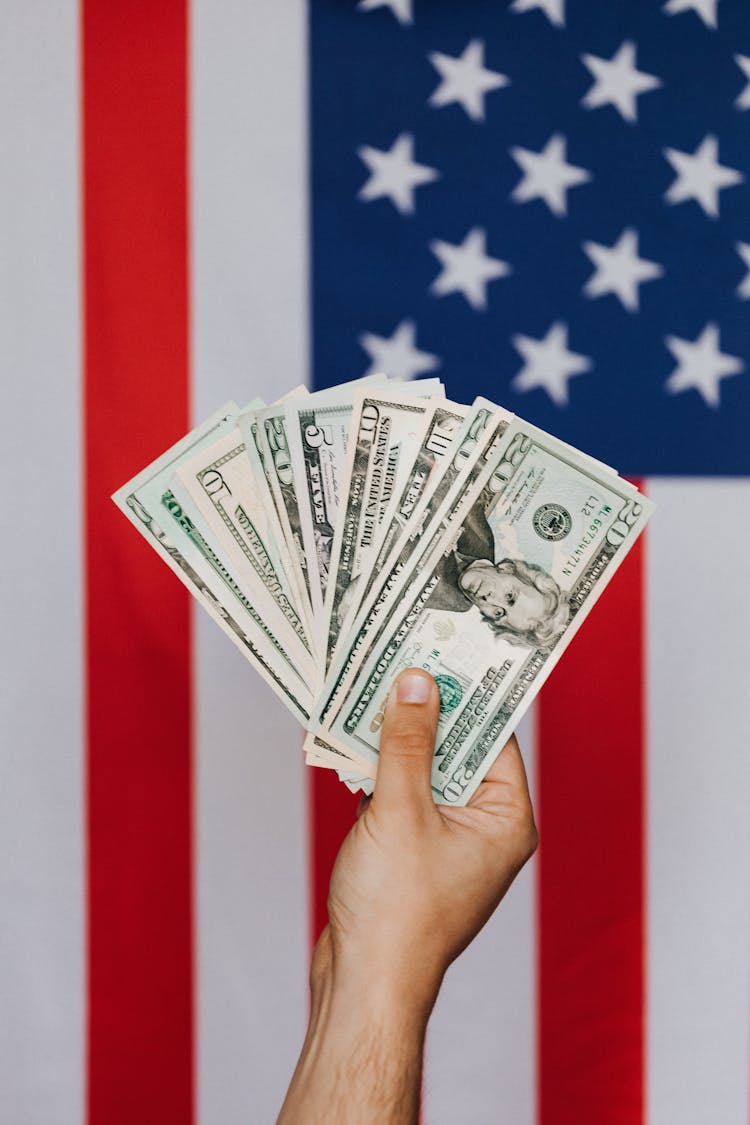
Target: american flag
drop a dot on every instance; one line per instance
(546, 202)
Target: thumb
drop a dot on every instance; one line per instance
(407, 741)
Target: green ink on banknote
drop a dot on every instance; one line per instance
(451, 692)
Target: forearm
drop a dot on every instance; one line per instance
(361, 1063)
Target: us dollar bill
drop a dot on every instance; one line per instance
(385, 435)
(438, 441)
(481, 430)
(248, 423)
(320, 753)
(249, 427)
(318, 448)
(271, 441)
(355, 783)
(489, 613)
(317, 429)
(219, 483)
(258, 612)
(150, 505)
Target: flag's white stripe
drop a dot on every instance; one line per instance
(698, 790)
(249, 191)
(249, 305)
(42, 981)
(480, 1063)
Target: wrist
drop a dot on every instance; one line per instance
(363, 1047)
(390, 988)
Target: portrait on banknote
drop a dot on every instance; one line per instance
(518, 600)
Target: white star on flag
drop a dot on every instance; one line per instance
(465, 79)
(547, 175)
(706, 9)
(467, 268)
(395, 173)
(400, 8)
(554, 10)
(618, 82)
(701, 365)
(743, 289)
(619, 270)
(743, 99)
(398, 355)
(548, 363)
(700, 176)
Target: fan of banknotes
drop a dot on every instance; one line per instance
(341, 536)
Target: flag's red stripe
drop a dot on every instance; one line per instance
(140, 1021)
(332, 813)
(590, 793)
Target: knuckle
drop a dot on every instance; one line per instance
(411, 739)
(531, 839)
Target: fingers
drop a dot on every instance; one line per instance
(407, 742)
(508, 766)
(505, 787)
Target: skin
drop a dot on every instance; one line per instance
(413, 884)
(502, 597)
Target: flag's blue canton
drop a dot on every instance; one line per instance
(553, 202)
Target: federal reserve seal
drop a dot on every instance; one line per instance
(551, 521)
(451, 693)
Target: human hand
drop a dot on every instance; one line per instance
(415, 882)
(412, 885)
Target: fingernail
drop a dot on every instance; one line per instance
(413, 687)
